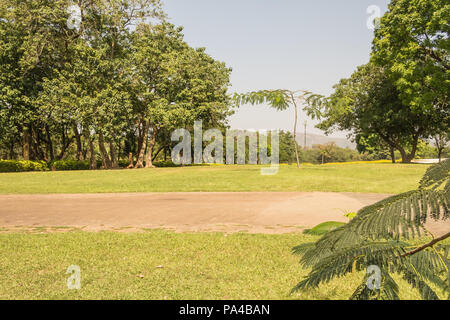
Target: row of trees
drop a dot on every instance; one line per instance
(401, 96)
(118, 83)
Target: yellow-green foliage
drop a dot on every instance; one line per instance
(22, 165)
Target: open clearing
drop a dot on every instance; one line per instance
(366, 178)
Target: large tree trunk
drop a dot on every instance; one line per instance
(105, 157)
(49, 143)
(92, 158)
(130, 161)
(36, 138)
(114, 159)
(151, 144)
(408, 158)
(404, 154)
(395, 145)
(141, 152)
(392, 149)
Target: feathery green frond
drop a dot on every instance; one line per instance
(376, 237)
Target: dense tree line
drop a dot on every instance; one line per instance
(115, 85)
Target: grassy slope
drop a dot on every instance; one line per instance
(371, 178)
(125, 266)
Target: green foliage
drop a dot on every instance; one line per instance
(124, 78)
(401, 95)
(323, 228)
(68, 165)
(412, 43)
(286, 147)
(368, 104)
(278, 99)
(330, 152)
(22, 165)
(351, 215)
(377, 236)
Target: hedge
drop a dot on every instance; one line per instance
(22, 166)
(69, 165)
(66, 165)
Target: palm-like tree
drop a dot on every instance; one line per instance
(279, 99)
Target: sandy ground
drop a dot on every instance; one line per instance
(254, 212)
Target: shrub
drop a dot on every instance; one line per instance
(22, 166)
(65, 165)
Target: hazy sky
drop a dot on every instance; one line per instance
(272, 44)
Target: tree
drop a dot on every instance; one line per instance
(369, 103)
(174, 85)
(287, 150)
(378, 238)
(441, 141)
(374, 145)
(280, 100)
(39, 52)
(116, 84)
(412, 44)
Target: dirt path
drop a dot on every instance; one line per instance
(228, 212)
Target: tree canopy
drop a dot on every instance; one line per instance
(111, 86)
(401, 95)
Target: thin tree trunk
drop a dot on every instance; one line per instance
(141, 154)
(151, 144)
(49, 141)
(78, 140)
(92, 158)
(295, 130)
(439, 146)
(26, 144)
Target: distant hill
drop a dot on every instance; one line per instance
(312, 139)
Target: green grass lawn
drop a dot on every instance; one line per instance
(369, 178)
(160, 265)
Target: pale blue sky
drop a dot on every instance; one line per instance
(271, 44)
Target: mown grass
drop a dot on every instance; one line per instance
(368, 178)
(160, 265)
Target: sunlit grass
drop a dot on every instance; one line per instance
(160, 265)
(368, 178)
